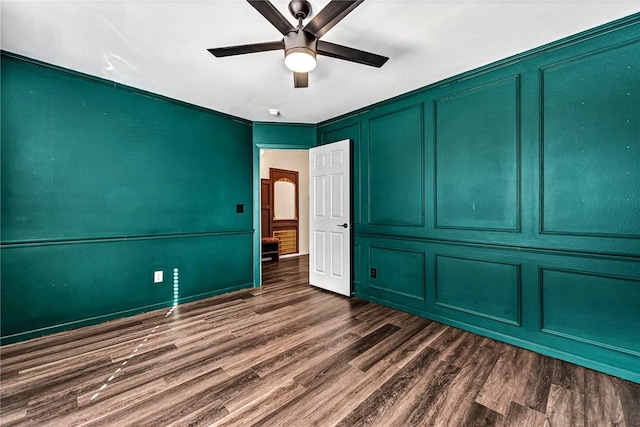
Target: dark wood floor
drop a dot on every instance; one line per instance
(288, 354)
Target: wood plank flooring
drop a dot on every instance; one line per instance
(288, 354)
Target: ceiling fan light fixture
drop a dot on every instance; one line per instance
(300, 51)
(300, 43)
(300, 59)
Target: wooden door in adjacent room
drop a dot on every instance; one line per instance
(265, 208)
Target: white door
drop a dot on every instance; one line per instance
(330, 217)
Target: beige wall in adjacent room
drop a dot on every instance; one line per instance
(294, 160)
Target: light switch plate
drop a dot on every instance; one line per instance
(157, 276)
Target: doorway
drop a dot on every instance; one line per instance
(284, 179)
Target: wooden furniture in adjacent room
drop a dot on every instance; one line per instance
(271, 248)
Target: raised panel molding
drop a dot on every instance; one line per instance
(399, 271)
(396, 168)
(597, 309)
(525, 85)
(483, 288)
(589, 174)
(477, 158)
(356, 264)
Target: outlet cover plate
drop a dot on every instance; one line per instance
(157, 276)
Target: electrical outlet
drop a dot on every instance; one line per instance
(374, 273)
(158, 276)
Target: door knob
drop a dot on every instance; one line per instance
(345, 225)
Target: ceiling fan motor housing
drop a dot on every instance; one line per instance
(300, 41)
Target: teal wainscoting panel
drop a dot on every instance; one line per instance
(400, 275)
(483, 288)
(591, 143)
(592, 308)
(529, 163)
(396, 168)
(47, 288)
(583, 309)
(477, 157)
(356, 267)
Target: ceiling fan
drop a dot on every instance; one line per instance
(302, 44)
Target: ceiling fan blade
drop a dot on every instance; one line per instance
(245, 48)
(300, 79)
(330, 15)
(350, 54)
(272, 15)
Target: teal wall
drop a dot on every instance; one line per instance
(284, 135)
(101, 186)
(506, 201)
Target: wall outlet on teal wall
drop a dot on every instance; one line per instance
(158, 276)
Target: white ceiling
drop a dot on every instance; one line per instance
(160, 46)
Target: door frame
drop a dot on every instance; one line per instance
(257, 232)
